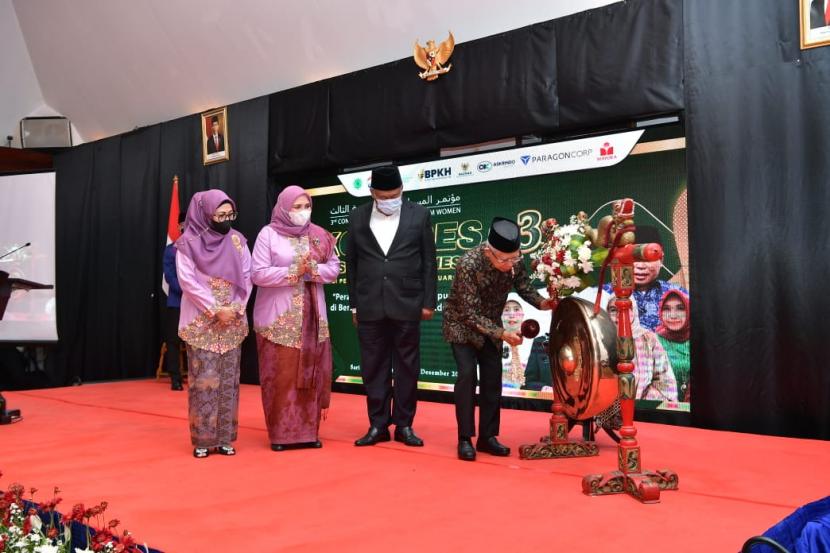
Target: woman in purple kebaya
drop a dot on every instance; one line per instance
(292, 260)
(214, 269)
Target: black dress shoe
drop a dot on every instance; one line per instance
(373, 436)
(492, 446)
(405, 435)
(176, 385)
(301, 445)
(466, 451)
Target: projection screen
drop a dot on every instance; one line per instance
(27, 216)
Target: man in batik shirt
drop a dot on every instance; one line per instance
(472, 325)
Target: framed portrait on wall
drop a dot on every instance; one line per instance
(814, 17)
(215, 141)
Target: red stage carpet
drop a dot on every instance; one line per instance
(128, 443)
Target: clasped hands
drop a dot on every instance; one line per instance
(304, 265)
(226, 314)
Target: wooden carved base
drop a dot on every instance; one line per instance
(643, 486)
(557, 445)
(547, 449)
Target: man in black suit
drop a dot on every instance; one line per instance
(215, 142)
(391, 274)
(819, 14)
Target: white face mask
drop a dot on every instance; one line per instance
(389, 207)
(301, 217)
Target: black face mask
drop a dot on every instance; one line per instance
(222, 228)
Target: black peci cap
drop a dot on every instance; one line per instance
(504, 235)
(646, 235)
(386, 178)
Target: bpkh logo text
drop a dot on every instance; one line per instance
(432, 174)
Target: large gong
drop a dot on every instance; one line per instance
(583, 355)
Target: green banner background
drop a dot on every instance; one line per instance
(460, 222)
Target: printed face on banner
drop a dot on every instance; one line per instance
(673, 314)
(512, 316)
(646, 272)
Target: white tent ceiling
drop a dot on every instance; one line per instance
(113, 65)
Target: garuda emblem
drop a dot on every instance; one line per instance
(432, 58)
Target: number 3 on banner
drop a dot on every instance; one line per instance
(529, 222)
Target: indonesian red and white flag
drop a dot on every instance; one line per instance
(173, 218)
(172, 224)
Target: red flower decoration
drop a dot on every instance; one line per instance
(17, 490)
(99, 539)
(77, 513)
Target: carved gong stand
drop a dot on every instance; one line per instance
(582, 356)
(629, 477)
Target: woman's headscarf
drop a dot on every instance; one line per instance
(214, 254)
(636, 329)
(320, 240)
(682, 334)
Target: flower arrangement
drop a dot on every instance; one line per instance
(568, 261)
(27, 526)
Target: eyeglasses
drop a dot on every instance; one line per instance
(505, 260)
(230, 216)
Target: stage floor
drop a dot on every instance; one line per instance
(128, 443)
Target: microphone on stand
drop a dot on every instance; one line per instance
(26, 245)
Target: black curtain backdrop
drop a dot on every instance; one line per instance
(758, 199)
(757, 183)
(619, 62)
(113, 197)
(603, 66)
(105, 220)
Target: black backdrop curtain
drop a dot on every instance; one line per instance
(106, 257)
(603, 66)
(758, 202)
(113, 198)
